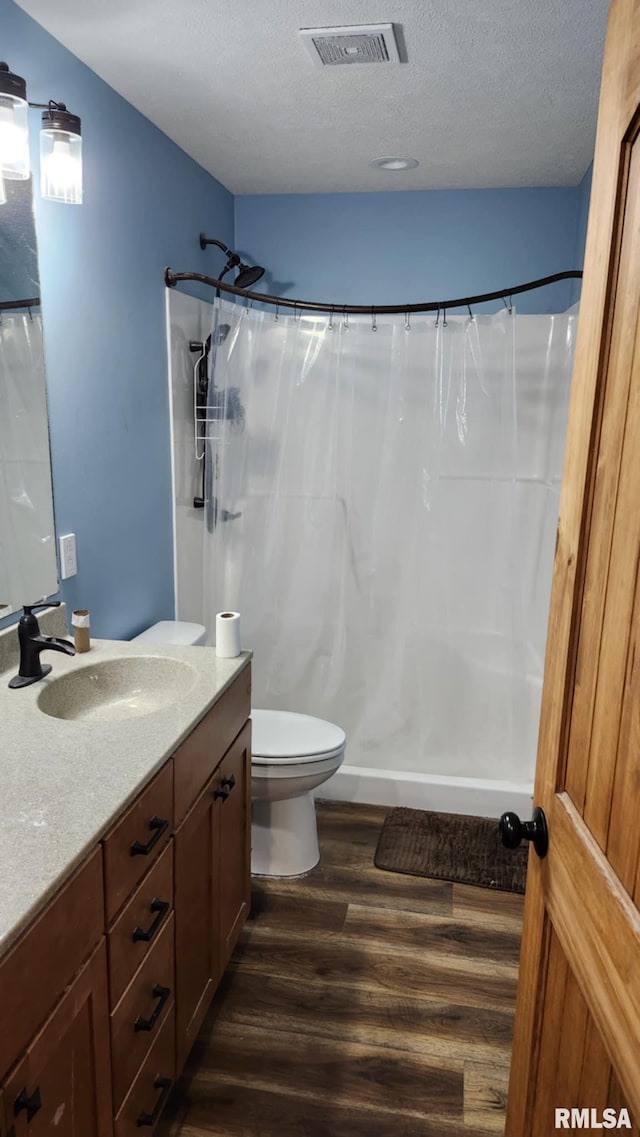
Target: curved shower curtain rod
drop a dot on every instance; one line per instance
(172, 278)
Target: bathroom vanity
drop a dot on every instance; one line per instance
(122, 902)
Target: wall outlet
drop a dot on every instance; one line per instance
(68, 560)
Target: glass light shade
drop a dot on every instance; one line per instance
(14, 138)
(61, 166)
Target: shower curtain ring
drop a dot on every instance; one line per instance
(510, 305)
(374, 325)
(505, 303)
(330, 324)
(345, 319)
(444, 321)
(437, 318)
(296, 313)
(407, 322)
(276, 317)
(471, 315)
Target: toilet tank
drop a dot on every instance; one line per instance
(172, 632)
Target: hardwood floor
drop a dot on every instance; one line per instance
(359, 1003)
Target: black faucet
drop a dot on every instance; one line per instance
(32, 642)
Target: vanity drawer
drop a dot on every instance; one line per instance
(41, 964)
(200, 753)
(145, 1101)
(139, 924)
(137, 839)
(141, 1012)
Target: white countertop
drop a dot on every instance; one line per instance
(64, 782)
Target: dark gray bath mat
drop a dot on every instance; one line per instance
(449, 846)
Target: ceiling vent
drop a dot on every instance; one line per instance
(359, 43)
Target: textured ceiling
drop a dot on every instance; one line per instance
(492, 93)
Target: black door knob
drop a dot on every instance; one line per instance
(513, 831)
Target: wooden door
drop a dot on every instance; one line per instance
(196, 917)
(62, 1087)
(577, 1026)
(235, 842)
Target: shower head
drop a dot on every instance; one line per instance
(248, 275)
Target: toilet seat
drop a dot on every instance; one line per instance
(286, 738)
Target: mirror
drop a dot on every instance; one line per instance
(28, 569)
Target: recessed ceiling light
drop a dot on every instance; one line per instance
(394, 163)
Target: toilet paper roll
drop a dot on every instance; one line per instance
(228, 635)
(81, 622)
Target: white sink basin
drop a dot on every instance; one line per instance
(116, 689)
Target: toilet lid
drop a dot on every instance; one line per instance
(287, 735)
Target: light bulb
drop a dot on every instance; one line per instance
(14, 139)
(61, 166)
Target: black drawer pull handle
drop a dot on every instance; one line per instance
(163, 1084)
(160, 824)
(224, 794)
(30, 1102)
(230, 782)
(161, 994)
(159, 906)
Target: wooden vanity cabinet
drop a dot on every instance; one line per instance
(6, 1128)
(103, 995)
(135, 930)
(201, 753)
(143, 1105)
(62, 1084)
(137, 839)
(234, 836)
(40, 965)
(196, 882)
(212, 887)
(54, 1016)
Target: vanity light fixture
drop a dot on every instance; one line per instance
(61, 155)
(14, 126)
(60, 141)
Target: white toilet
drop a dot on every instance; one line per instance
(173, 632)
(291, 755)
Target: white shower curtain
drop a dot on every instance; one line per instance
(381, 507)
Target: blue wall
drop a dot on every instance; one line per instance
(103, 301)
(391, 248)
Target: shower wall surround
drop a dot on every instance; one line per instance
(103, 301)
